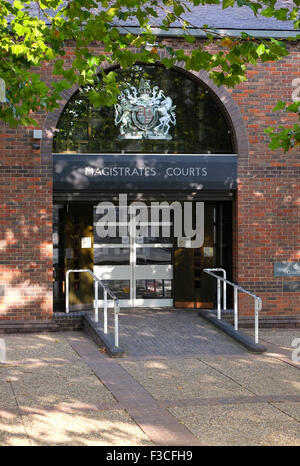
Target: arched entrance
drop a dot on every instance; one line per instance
(168, 141)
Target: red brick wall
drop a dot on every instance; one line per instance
(268, 198)
(266, 210)
(25, 228)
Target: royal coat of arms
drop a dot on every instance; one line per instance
(144, 113)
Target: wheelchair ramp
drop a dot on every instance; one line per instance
(171, 332)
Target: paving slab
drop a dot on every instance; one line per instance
(84, 428)
(292, 409)
(261, 375)
(47, 385)
(243, 424)
(12, 429)
(38, 346)
(182, 378)
(7, 397)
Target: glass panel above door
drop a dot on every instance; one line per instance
(149, 117)
(147, 256)
(111, 256)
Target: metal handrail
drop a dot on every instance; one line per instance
(219, 269)
(106, 292)
(236, 288)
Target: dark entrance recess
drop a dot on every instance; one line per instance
(58, 258)
(193, 289)
(72, 223)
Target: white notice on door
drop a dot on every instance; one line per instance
(86, 242)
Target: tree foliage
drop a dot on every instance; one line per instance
(31, 41)
(285, 137)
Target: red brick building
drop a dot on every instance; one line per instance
(216, 153)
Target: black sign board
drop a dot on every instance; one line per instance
(144, 172)
(292, 287)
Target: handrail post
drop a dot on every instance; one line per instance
(96, 302)
(224, 291)
(105, 310)
(219, 298)
(237, 288)
(116, 312)
(236, 309)
(256, 309)
(67, 292)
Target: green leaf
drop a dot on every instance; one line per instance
(260, 49)
(293, 107)
(190, 39)
(227, 3)
(112, 12)
(279, 106)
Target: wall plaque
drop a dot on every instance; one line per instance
(292, 287)
(287, 269)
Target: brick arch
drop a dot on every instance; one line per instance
(223, 97)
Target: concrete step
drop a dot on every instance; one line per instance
(28, 326)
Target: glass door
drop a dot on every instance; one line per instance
(137, 267)
(152, 268)
(112, 255)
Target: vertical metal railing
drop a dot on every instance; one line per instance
(219, 269)
(236, 289)
(106, 293)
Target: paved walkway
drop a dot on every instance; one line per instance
(60, 389)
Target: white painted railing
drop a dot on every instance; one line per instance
(236, 289)
(106, 292)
